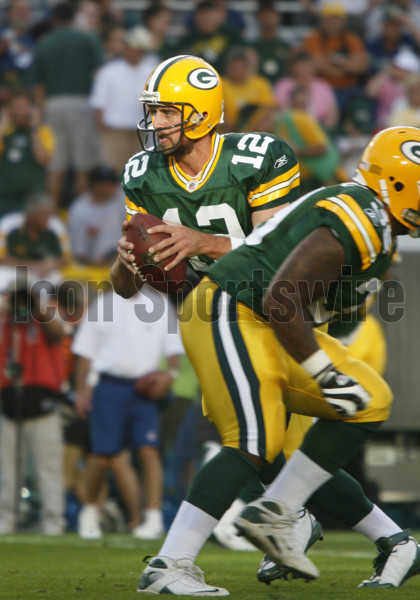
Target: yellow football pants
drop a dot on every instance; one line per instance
(249, 382)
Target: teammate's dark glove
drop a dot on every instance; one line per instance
(344, 393)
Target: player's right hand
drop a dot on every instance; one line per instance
(342, 392)
(124, 249)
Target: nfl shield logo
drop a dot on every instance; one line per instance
(191, 186)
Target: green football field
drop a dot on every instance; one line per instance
(63, 568)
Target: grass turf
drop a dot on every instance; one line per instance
(33, 567)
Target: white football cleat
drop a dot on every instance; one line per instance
(271, 526)
(308, 531)
(398, 559)
(177, 577)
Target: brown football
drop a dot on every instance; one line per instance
(150, 271)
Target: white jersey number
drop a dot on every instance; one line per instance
(204, 216)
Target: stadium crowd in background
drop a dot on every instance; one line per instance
(67, 128)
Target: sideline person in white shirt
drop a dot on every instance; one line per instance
(115, 97)
(123, 341)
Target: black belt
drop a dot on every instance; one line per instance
(115, 379)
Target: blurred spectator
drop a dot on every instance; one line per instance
(126, 347)
(355, 131)
(398, 33)
(272, 51)
(95, 219)
(16, 47)
(322, 102)
(405, 10)
(389, 84)
(356, 11)
(340, 55)
(318, 156)
(406, 111)
(88, 17)
(31, 375)
(115, 97)
(233, 18)
(26, 149)
(209, 36)
(64, 64)
(113, 42)
(157, 19)
(71, 306)
(35, 238)
(242, 86)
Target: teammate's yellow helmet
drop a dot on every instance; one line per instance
(190, 84)
(390, 166)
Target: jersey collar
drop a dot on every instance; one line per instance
(191, 184)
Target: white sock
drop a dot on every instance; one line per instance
(376, 525)
(297, 481)
(188, 532)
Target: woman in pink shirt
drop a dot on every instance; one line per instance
(322, 105)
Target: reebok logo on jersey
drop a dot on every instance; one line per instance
(280, 161)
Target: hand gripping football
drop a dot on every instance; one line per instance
(151, 272)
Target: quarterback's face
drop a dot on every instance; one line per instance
(167, 123)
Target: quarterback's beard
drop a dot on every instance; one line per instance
(184, 149)
(181, 150)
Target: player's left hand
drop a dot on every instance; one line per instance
(183, 243)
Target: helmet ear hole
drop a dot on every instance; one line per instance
(398, 186)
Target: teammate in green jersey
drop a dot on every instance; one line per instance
(256, 312)
(175, 183)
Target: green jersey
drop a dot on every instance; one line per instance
(245, 173)
(354, 215)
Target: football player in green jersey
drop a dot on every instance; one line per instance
(250, 331)
(211, 189)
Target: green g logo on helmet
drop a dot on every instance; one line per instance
(203, 79)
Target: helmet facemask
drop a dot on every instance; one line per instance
(148, 134)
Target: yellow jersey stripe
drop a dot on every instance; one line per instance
(273, 192)
(281, 178)
(271, 186)
(364, 220)
(131, 209)
(352, 227)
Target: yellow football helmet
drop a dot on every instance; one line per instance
(190, 84)
(390, 166)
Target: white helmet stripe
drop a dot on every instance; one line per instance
(159, 70)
